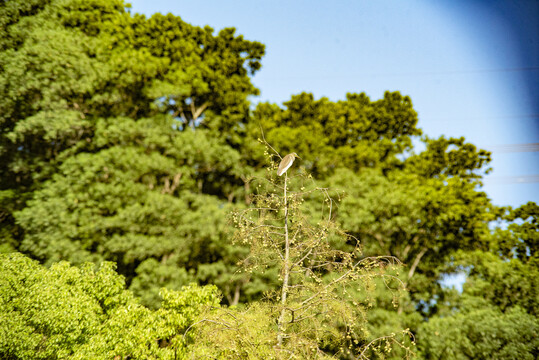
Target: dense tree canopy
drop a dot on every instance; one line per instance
(496, 316)
(129, 141)
(354, 133)
(112, 126)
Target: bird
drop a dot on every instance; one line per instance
(286, 162)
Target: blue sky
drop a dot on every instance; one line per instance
(470, 67)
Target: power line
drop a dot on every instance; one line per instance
(503, 180)
(520, 116)
(459, 72)
(418, 73)
(451, 72)
(513, 148)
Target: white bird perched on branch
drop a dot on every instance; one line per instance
(287, 161)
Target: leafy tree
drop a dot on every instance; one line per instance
(136, 202)
(129, 139)
(520, 239)
(496, 315)
(82, 313)
(353, 133)
(69, 64)
(103, 101)
(482, 333)
(318, 307)
(418, 220)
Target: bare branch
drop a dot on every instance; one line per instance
(416, 262)
(267, 143)
(197, 112)
(181, 113)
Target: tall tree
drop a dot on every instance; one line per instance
(317, 309)
(100, 109)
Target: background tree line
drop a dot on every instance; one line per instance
(131, 140)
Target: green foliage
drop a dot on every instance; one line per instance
(504, 283)
(420, 208)
(82, 313)
(353, 133)
(323, 291)
(97, 112)
(483, 332)
(520, 240)
(419, 220)
(496, 316)
(450, 157)
(130, 139)
(69, 64)
(136, 201)
(237, 333)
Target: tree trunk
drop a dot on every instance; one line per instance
(412, 271)
(286, 270)
(416, 262)
(236, 299)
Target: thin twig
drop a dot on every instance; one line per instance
(267, 143)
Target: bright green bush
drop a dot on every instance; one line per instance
(83, 313)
